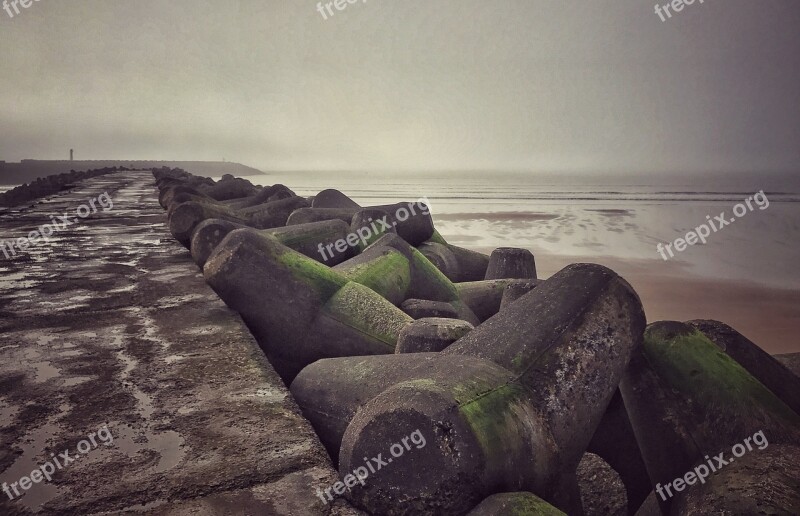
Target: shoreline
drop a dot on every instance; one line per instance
(768, 316)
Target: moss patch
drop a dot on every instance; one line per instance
(321, 277)
(390, 273)
(693, 365)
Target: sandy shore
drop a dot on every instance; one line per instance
(769, 317)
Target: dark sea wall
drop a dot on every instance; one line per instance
(31, 169)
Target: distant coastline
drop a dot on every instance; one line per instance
(30, 169)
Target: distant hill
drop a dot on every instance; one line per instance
(29, 169)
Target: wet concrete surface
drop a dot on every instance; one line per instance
(110, 323)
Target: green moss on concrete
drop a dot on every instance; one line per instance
(695, 366)
(364, 310)
(297, 238)
(389, 275)
(319, 276)
(525, 504)
(494, 418)
(425, 273)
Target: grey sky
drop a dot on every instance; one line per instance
(590, 85)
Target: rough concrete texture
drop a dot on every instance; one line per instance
(110, 323)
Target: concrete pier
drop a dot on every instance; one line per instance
(111, 323)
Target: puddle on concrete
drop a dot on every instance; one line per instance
(77, 380)
(43, 368)
(33, 445)
(202, 330)
(45, 371)
(45, 339)
(168, 444)
(174, 358)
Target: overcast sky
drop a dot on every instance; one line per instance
(589, 85)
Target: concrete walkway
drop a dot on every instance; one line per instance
(111, 323)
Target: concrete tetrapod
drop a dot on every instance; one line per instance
(765, 481)
(511, 263)
(303, 238)
(516, 291)
(774, 375)
(485, 297)
(515, 504)
(229, 187)
(367, 225)
(187, 216)
(686, 399)
(331, 391)
(431, 334)
(458, 264)
(332, 198)
(398, 271)
(421, 308)
(412, 221)
(522, 419)
(328, 315)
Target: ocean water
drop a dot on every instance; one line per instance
(590, 217)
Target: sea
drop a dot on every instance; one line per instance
(587, 217)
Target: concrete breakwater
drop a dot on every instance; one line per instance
(110, 325)
(510, 379)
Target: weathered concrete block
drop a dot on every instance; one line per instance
(272, 214)
(764, 481)
(187, 216)
(303, 238)
(431, 334)
(687, 399)
(522, 418)
(265, 195)
(332, 198)
(306, 215)
(511, 263)
(398, 271)
(331, 391)
(516, 291)
(774, 375)
(458, 264)
(382, 268)
(484, 297)
(229, 187)
(369, 225)
(328, 315)
(421, 308)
